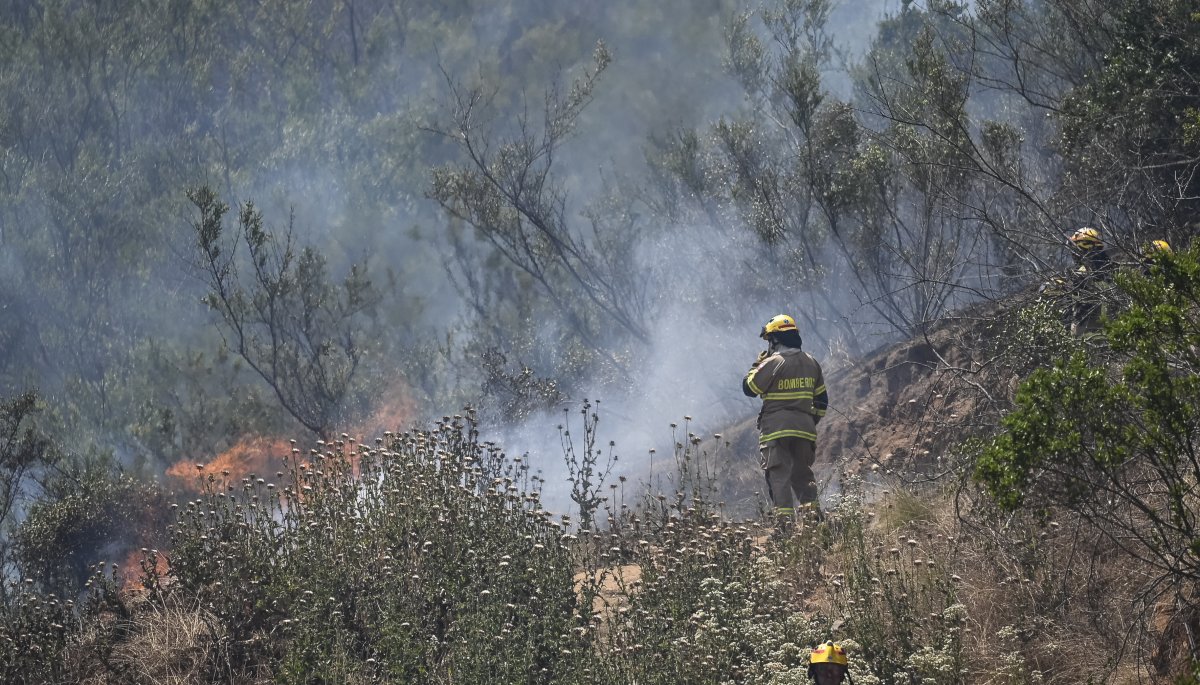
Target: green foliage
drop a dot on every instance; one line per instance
(708, 607)
(681, 593)
(25, 454)
(304, 335)
(508, 190)
(1129, 122)
(900, 602)
(111, 110)
(519, 394)
(423, 557)
(1110, 435)
(209, 402)
(1037, 334)
(85, 518)
(40, 633)
(867, 195)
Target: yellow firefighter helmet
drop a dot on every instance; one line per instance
(778, 324)
(829, 653)
(1158, 248)
(1086, 238)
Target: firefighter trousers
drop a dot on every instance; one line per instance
(787, 463)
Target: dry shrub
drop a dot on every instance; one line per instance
(1043, 598)
(1050, 593)
(169, 640)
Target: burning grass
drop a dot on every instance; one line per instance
(427, 556)
(250, 455)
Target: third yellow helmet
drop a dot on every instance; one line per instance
(1159, 247)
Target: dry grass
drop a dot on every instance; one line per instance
(614, 584)
(1048, 598)
(166, 643)
(1046, 602)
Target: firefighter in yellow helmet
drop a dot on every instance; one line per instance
(828, 665)
(1090, 254)
(1154, 254)
(794, 399)
(1089, 281)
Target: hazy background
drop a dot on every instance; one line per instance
(731, 162)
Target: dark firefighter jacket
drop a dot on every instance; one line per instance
(1094, 265)
(793, 393)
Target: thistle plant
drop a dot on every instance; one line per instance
(418, 558)
(589, 467)
(897, 595)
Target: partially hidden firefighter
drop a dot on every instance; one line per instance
(1155, 255)
(1091, 256)
(1090, 282)
(828, 664)
(794, 399)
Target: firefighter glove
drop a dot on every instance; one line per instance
(761, 356)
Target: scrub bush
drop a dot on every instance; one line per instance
(425, 557)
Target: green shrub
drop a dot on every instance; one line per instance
(695, 597)
(84, 519)
(34, 633)
(897, 597)
(1108, 433)
(423, 558)
(45, 638)
(710, 607)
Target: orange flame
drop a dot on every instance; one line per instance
(258, 455)
(132, 571)
(263, 455)
(393, 412)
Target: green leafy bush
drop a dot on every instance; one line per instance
(86, 518)
(425, 557)
(1109, 432)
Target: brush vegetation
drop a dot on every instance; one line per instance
(229, 222)
(427, 556)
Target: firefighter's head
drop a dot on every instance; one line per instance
(778, 324)
(781, 329)
(1155, 255)
(1157, 249)
(827, 665)
(1086, 239)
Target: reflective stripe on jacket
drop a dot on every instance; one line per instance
(793, 393)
